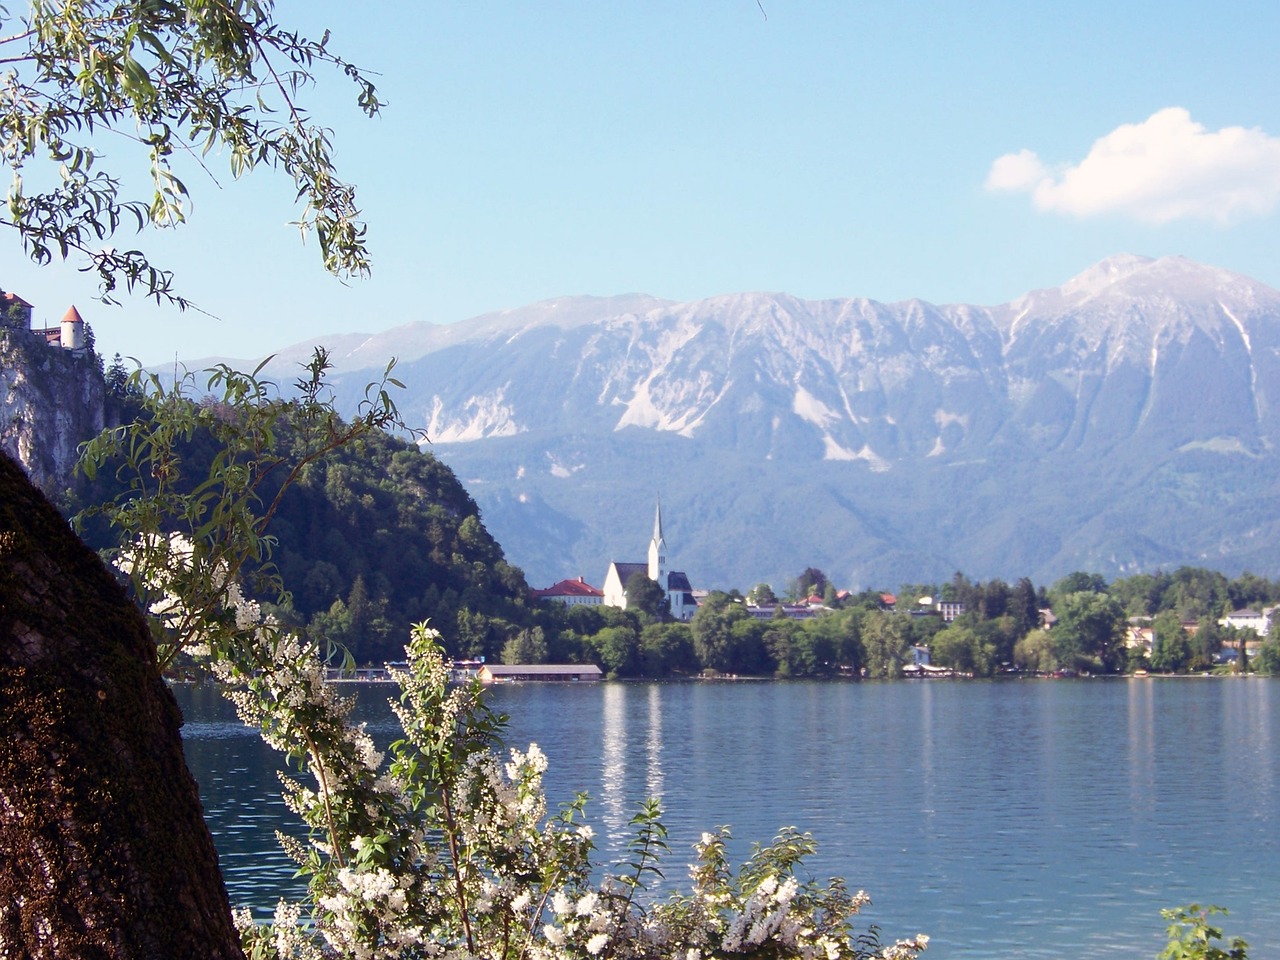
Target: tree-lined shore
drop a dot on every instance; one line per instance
(1079, 624)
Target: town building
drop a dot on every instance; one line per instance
(1259, 621)
(574, 593)
(674, 582)
(1139, 634)
(789, 611)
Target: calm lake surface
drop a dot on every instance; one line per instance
(1005, 819)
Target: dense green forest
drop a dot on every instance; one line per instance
(367, 540)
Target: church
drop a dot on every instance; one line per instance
(679, 592)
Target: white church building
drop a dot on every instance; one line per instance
(675, 582)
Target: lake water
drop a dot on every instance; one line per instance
(1005, 819)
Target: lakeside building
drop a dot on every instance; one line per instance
(574, 593)
(1259, 621)
(541, 672)
(1140, 635)
(674, 582)
(789, 611)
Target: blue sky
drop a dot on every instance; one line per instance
(953, 152)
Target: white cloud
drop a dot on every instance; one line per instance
(1016, 172)
(1166, 168)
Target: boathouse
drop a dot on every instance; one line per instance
(550, 672)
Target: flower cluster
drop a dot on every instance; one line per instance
(447, 849)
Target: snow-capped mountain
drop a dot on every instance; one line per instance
(1127, 419)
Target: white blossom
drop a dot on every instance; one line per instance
(587, 905)
(380, 908)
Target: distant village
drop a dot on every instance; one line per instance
(1252, 625)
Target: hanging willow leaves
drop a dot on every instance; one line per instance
(202, 78)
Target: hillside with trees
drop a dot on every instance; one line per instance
(367, 540)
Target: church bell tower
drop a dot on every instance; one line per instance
(658, 551)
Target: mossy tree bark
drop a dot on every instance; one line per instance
(104, 852)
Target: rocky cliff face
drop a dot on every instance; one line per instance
(51, 400)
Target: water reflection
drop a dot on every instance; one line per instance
(1247, 722)
(927, 780)
(613, 794)
(653, 743)
(1141, 755)
(1007, 819)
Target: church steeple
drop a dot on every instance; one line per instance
(658, 551)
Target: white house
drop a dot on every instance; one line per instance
(1258, 622)
(574, 593)
(675, 582)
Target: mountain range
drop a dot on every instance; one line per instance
(1128, 420)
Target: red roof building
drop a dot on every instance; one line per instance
(14, 310)
(576, 592)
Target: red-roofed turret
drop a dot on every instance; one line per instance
(72, 329)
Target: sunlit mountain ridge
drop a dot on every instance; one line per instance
(1125, 420)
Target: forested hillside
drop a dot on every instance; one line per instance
(368, 539)
(377, 537)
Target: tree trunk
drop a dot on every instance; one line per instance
(104, 852)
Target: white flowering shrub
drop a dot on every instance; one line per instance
(444, 847)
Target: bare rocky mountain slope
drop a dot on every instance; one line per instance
(1126, 420)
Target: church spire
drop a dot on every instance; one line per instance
(658, 551)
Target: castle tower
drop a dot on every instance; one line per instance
(658, 551)
(72, 329)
